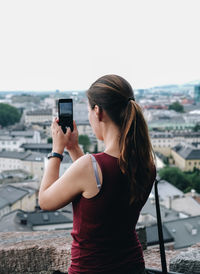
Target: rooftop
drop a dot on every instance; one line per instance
(166, 190)
(13, 154)
(24, 133)
(188, 153)
(43, 217)
(26, 156)
(38, 112)
(11, 194)
(186, 232)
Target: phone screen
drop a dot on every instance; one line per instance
(66, 108)
(65, 112)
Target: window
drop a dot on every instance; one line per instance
(189, 163)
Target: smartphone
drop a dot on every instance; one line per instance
(65, 114)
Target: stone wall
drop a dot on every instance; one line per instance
(34, 252)
(49, 252)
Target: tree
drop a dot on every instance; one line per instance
(49, 140)
(196, 128)
(194, 179)
(185, 181)
(174, 176)
(85, 141)
(9, 115)
(177, 107)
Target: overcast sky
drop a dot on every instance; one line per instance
(66, 45)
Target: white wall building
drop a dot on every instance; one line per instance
(32, 162)
(38, 116)
(12, 140)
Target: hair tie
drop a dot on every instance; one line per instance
(131, 98)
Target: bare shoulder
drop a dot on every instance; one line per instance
(82, 162)
(81, 168)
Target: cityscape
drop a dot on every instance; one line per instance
(172, 113)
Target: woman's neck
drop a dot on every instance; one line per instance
(111, 137)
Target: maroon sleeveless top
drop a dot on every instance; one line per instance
(104, 236)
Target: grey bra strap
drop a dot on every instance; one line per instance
(94, 163)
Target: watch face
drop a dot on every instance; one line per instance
(49, 155)
(54, 154)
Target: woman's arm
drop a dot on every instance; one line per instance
(57, 192)
(51, 184)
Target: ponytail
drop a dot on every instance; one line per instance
(136, 154)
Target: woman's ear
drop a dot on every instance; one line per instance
(98, 112)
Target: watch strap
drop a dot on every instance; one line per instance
(55, 154)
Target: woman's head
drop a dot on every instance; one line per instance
(115, 96)
(111, 93)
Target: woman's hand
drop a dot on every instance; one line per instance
(72, 141)
(69, 140)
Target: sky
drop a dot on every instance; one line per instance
(68, 44)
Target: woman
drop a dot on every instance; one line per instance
(109, 189)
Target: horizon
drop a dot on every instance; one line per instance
(188, 83)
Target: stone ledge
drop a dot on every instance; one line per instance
(34, 252)
(187, 262)
(47, 252)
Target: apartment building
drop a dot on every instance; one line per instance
(38, 116)
(12, 140)
(164, 141)
(13, 198)
(32, 162)
(10, 143)
(186, 158)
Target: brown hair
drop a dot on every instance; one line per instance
(115, 95)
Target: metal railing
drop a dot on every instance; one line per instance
(160, 236)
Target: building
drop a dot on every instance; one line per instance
(28, 136)
(177, 234)
(153, 239)
(84, 128)
(185, 232)
(12, 140)
(12, 198)
(185, 157)
(45, 220)
(164, 141)
(197, 93)
(10, 143)
(13, 176)
(187, 206)
(42, 147)
(32, 162)
(38, 116)
(37, 220)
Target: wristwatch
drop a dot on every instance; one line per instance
(55, 154)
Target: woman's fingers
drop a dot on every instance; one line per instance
(74, 124)
(68, 132)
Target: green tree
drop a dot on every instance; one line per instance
(85, 141)
(174, 176)
(9, 115)
(194, 179)
(177, 107)
(185, 181)
(49, 140)
(196, 128)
